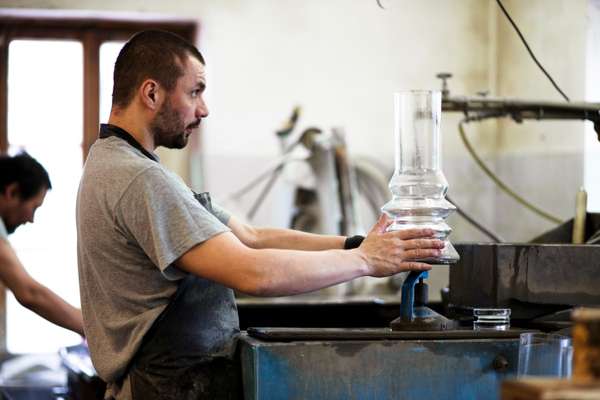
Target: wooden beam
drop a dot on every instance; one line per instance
(4, 42)
(91, 91)
(106, 30)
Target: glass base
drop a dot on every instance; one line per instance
(449, 256)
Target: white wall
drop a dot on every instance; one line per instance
(341, 61)
(592, 147)
(543, 161)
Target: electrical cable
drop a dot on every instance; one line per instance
(530, 51)
(264, 192)
(499, 182)
(495, 238)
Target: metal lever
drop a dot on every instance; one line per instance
(444, 76)
(414, 313)
(408, 295)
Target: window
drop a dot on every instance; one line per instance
(45, 118)
(108, 55)
(55, 88)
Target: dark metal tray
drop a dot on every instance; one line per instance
(307, 334)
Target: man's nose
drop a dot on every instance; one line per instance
(201, 110)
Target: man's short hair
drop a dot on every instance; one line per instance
(153, 54)
(26, 171)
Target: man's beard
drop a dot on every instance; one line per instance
(168, 128)
(11, 228)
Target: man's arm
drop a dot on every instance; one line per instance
(274, 272)
(35, 296)
(273, 238)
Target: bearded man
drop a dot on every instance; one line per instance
(158, 264)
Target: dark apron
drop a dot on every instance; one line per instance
(184, 358)
(189, 353)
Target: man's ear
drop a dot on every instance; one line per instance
(12, 191)
(151, 94)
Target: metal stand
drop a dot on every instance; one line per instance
(414, 314)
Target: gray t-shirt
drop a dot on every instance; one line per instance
(134, 219)
(3, 232)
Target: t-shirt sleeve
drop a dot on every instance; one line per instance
(222, 214)
(3, 232)
(162, 216)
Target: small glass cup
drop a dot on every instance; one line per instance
(545, 354)
(497, 319)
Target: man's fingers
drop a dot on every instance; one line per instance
(416, 254)
(382, 223)
(403, 250)
(422, 244)
(406, 234)
(414, 266)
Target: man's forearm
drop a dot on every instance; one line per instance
(290, 272)
(272, 238)
(48, 305)
(270, 272)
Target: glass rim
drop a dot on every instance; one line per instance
(545, 337)
(501, 311)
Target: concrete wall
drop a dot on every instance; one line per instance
(592, 93)
(541, 160)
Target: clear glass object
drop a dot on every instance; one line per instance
(545, 354)
(418, 185)
(497, 319)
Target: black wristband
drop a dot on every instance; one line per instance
(353, 242)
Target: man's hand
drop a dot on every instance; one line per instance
(387, 253)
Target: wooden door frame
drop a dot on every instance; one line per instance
(91, 31)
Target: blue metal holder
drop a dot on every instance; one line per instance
(408, 294)
(419, 317)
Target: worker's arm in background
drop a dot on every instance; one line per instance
(275, 272)
(274, 238)
(35, 296)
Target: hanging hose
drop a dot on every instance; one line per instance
(495, 238)
(497, 180)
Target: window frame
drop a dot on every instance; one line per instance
(91, 31)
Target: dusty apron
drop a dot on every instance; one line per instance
(183, 358)
(189, 352)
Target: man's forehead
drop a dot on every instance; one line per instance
(195, 70)
(38, 199)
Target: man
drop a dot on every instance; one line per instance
(23, 186)
(157, 263)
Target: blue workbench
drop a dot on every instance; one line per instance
(374, 364)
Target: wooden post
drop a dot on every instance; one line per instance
(4, 42)
(91, 91)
